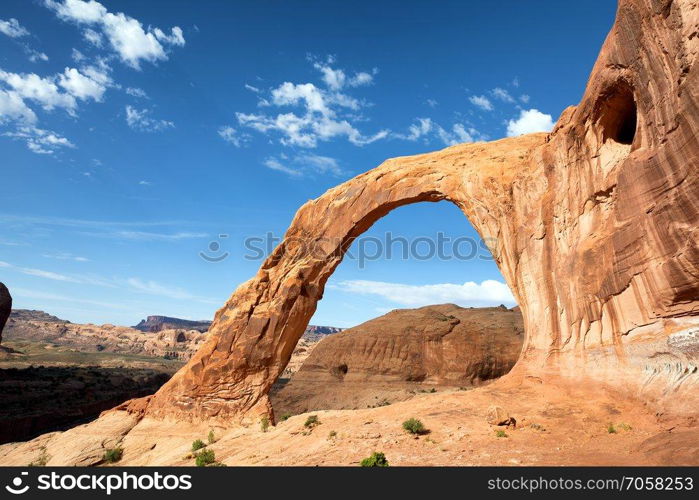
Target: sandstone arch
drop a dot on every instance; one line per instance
(595, 226)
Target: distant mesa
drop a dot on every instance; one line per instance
(155, 324)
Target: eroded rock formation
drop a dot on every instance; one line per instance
(391, 357)
(5, 306)
(594, 227)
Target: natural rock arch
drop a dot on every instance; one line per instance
(594, 227)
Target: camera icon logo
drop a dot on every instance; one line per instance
(16, 488)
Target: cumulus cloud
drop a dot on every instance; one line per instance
(142, 121)
(529, 121)
(12, 28)
(125, 35)
(482, 102)
(81, 86)
(44, 91)
(324, 112)
(488, 292)
(13, 108)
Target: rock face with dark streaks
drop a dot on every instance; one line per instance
(5, 307)
(405, 351)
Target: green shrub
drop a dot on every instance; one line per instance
(624, 426)
(264, 424)
(414, 426)
(198, 445)
(211, 438)
(311, 421)
(284, 417)
(205, 457)
(113, 455)
(611, 429)
(332, 434)
(500, 434)
(377, 459)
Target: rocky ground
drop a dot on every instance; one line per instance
(557, 424)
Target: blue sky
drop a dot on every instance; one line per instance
(133, 134)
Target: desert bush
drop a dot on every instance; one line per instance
(204, 458)
(311, 421)
(332, 434)
(211, 438)
(414, 426)
(500, 434)
(611, 429)
(264, 424)
(198, 445)
(284, 417)
(113, 455)
(376, 459)
(625, 427)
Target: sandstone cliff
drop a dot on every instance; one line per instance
(392, 357)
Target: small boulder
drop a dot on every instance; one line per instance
(498, 416)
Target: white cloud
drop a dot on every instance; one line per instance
(144, 183)
(65, 256)
(277, 165)
(529, 121)
(42, 90)
(40, 141)
(488, 292)
(126, 35)
(136, 92)
(230, 135)
(337, 79)
(524, 98)
(81, 86)
(320, 164)
(425, 128)
(482, 102)
(503, 95)
(252, 89)
(93, 37)
(431, 103)
(13, 108)
(141, 120)
(12, 28)
(303, 164)
(325, 111)
(35, 55)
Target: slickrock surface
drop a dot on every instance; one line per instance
(565, 426)
(404, 352)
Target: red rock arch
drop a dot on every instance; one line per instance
(596, 228)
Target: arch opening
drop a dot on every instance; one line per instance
(427, 311)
